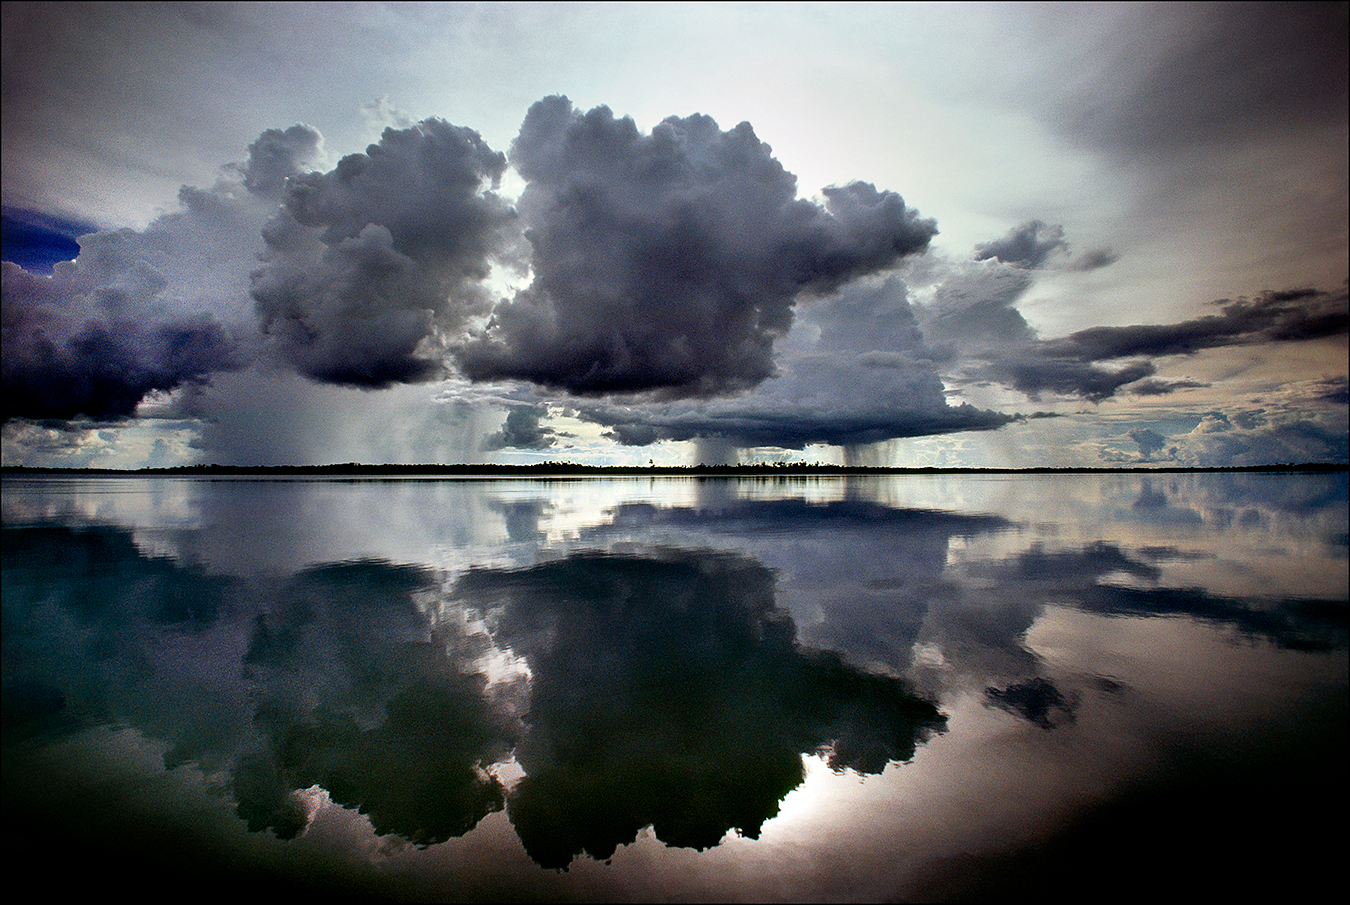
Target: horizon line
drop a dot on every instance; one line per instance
(573, 468)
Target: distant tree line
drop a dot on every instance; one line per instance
(572, 469)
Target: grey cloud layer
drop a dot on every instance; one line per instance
(1290, 315)
(671, 262)
(866, 376)
(974, 314)
(1070, 365)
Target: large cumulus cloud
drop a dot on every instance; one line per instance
(668, 262)
(671, 261)
(369, 265)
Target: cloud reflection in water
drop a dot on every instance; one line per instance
(669, 691)
(666, 665)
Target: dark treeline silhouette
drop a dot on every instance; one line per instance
(572, 469)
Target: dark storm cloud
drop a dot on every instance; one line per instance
(522, 430)
(1027, 245)
(1035, 375)
(671, 262)
(1291, 315)
(789, 427)
(1071, 365)
(144, 310)
(974, 313)
(1151, 387)
(367, 265)
(57, 366)
(668, 262)
(1149, 440)
(1032, 244)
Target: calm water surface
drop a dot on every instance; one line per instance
(851, 689)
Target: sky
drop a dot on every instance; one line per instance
(983, 235)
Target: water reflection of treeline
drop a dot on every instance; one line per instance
(572, 468)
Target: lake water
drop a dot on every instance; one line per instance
(811, 689)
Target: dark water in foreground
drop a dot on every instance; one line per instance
(858, 689)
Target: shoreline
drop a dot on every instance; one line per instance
(567, 469)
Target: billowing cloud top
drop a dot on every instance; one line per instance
(670, 262)
(368, 264)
